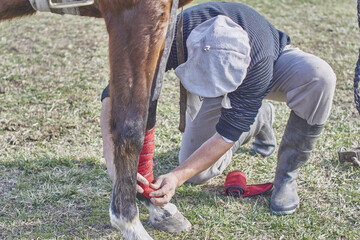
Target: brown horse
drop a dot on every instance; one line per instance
(137, 30)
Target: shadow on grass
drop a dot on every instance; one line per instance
(55, 197)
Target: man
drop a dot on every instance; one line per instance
(234, 59)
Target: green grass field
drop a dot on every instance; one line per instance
(54, 185)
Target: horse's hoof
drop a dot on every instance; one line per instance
(173, 224)
(133, 230)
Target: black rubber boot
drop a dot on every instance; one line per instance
(265, 141)
(295, 149)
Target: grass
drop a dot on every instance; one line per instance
(54, 185)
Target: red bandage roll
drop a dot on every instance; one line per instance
(235, 185)
(145, 167)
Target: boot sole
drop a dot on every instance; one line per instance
(283, 212)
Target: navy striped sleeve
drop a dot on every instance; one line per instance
(246, 101)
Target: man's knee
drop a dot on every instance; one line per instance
(321, 76)
(326, 76)
(312, 98)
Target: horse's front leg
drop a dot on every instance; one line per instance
(136, 35)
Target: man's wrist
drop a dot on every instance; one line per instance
(177, 175)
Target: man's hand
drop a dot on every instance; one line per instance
(166, 185)
(142, 180)
(200, 160)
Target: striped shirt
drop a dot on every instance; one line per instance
(266, 44)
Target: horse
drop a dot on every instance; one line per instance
(137, 30)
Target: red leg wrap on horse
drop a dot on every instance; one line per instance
(235, 185)
(145, 167)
